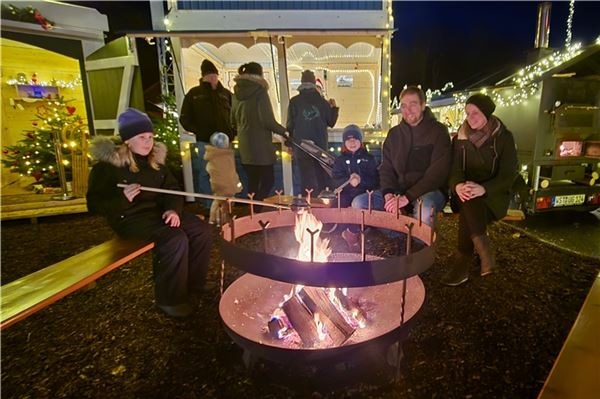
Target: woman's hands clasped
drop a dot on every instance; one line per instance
(469, 190)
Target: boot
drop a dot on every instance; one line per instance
(352, 239)
(484, 249)
(459, 272)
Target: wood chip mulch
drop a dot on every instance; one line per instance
(493, 337)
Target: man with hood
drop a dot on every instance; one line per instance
(252, 116)
(309, 114)
(415, 164)
(206, 109)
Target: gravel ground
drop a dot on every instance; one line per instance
(494, 337)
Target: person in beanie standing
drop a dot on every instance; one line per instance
(252, 116)
(182, 242)
(484, 168)
(309, 115)
(206, 109)
(358, 166)
(415, 161)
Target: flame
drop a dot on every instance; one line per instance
(321, 330)
(307, 221)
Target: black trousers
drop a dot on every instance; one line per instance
(474, 216)
(181, 254)
(261, 179)
(312, 176)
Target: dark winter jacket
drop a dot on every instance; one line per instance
(205, 111)
(106, 199)
(415, 159)
(360, 162)
(309, 114)
(493, 165)
(252, 117)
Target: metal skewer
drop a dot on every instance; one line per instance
(207, 196)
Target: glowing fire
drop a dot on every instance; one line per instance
(307, 231)
(305, 222)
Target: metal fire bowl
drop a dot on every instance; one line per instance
(329, 274)
(247, 304)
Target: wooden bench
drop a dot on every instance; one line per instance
(27, 295)
(576, 372)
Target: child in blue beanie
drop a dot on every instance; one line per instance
(355, 163)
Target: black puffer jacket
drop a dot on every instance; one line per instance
(494, 165)
(205, 111)
(415, 159)
(106, 199)
(361, 163)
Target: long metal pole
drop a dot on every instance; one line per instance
(207, 196)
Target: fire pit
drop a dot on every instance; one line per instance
(295, 310)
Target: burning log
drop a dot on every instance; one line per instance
(351, 307)
(317, 301)
(302, 320)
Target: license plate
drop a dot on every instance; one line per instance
(568, 200)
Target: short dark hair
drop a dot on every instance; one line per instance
(414, 90)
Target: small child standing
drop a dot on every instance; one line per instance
(220, 165)
(358, 166)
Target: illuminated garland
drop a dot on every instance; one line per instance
(523, 83)
(63, 84)
(570, 23)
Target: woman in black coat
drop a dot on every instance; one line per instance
(182, 241)
(484, 167)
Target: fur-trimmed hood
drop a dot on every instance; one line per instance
(247, 85)
(108, 149)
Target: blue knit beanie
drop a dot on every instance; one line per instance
(352, 131)
(133, 122)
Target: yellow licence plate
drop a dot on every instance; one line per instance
(568, 200)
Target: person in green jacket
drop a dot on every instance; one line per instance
(252, 117)
(484, 167)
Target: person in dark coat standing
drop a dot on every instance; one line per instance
(252, 116)
(360, 168)
(415, 161)
(206, 109)
(182, 242)
(484, 168)
(309, 115)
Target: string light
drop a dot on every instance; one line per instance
(63, 84)
(570, 23)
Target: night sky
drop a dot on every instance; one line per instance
(434, 42)
(462, 42)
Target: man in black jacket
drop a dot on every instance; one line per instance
(206, 109)
(415, 161)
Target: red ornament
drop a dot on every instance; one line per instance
(34, 123)
(5, 151)
(71, 110)
(37, 175)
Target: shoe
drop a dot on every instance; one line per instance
(484, 249)
(352, 239)
(181, 310)
(459, 272)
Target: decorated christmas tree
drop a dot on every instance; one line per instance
(35, 154)
(166, 131)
